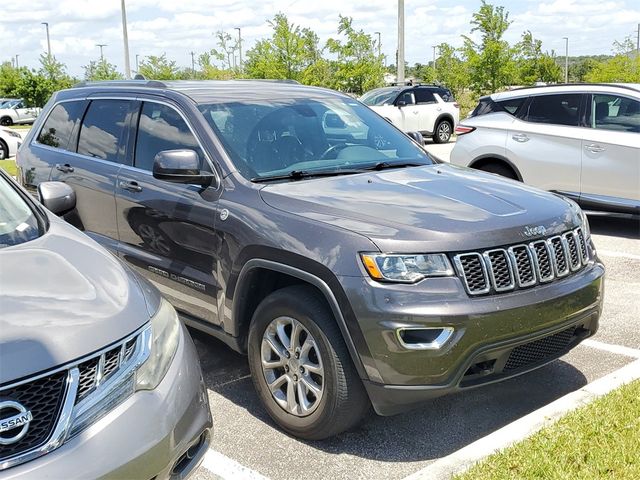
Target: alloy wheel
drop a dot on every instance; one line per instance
(292, 366)
(444, 131)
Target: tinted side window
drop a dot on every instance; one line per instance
(58, 128)
(446, 95)
(511, 105)
(407, 97)
(103, 127)
(559, 109)
(162, 128)
(424, 96)
(485, 106)
(612, 112)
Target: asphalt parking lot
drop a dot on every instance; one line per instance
(246, 443)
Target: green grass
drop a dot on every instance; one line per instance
(21, 127)
(9, 166)
(598, 441)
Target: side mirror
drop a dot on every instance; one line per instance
(416, 137)
(180, 166)
(401, 103)
(58, 197)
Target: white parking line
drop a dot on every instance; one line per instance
(227, 469)
(617, 349)
(610, 253)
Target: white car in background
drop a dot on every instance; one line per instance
(428, 109)
(582, 141)
(15, 112)
(10, 141)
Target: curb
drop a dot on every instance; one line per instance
(461, 460)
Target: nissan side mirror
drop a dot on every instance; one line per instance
(401, 103)
(57, 197)
(181, 166)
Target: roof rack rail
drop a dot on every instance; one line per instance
(122, 83)
(628, 86)
(273, 80)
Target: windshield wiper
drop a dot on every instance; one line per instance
(299, 174)
(384, 165)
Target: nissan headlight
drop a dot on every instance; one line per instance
(406, 268)
(165, 333)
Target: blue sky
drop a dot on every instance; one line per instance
(178, 27)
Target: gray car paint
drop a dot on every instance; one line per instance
(318, 227)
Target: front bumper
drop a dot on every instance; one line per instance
(159, 434)
(486, 332)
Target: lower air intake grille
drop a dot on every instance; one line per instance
(539, 350)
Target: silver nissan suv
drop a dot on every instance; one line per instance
(91, 357)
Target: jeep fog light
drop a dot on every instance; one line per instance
(424, 338)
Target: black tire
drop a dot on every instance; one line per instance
(500, 169)
(443, 131)
(344, 401)
(6, 121)
(4, 150)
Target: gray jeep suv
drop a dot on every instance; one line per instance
(298, 226)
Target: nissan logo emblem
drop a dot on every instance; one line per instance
(14, 422)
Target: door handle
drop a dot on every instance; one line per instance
(594, 148)
(131, 186)
(66, 168)
(520, 137)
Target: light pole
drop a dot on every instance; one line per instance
(125, 38)
(239, 48)
(566, 59)
(400, 66)
(137, 64)
(193, 63)
(17, 64)
(46, 25)
(435, 76)
(101, 45)
(379, 44)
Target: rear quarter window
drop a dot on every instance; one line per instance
(60, 124)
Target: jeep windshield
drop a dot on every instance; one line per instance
(268, 140)
(18, 222)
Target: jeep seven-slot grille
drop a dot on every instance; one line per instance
(524, 265)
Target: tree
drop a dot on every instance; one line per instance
(286, 54)
(623, 67)
(101, 70)
(9, 79)
(451, 71)
(358, 67)
(209, 71)
(159, 68)
(533, 65)
(227, 47)
(491, 61)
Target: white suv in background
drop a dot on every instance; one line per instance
(428, 109)
(579, 140)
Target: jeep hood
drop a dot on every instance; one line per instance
(62, 296)
(426, 209)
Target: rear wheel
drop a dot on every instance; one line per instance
(499, 169)
(301, 367)
(443, 131)
(6, 121)
(4, 150)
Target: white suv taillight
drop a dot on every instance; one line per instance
(463, 130)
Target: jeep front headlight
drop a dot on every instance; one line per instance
(406, 268)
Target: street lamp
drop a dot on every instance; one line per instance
(17, 64)
(239, 47)
(566, 59)
(101, 45)
(435, 76)
(125, 38)
(379, 44)
(400, 62)
(46, 25)
(137, 64)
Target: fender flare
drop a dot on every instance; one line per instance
(328, 294)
